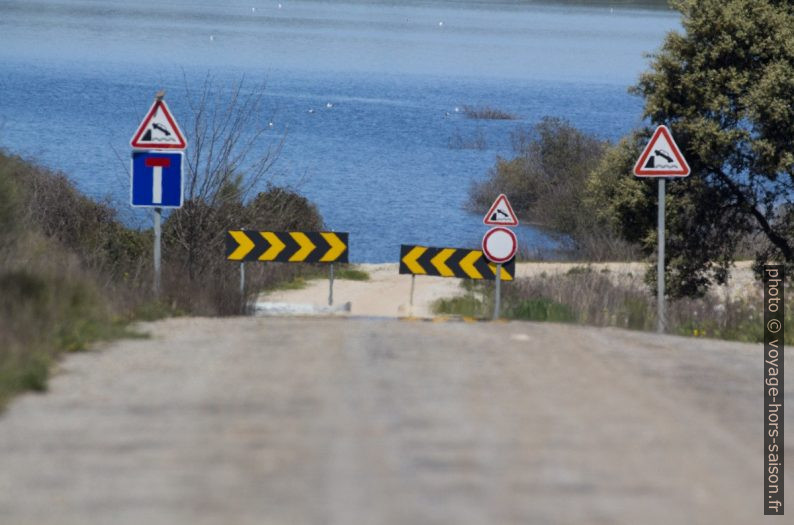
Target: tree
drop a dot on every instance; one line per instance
(546, 186)
(231, 155)
(725, 87)
(228, 166)
(544, 180)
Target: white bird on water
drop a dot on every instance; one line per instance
(329, 105)
(212, 37)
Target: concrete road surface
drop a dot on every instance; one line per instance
(356, 421)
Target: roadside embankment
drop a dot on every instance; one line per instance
(605, 294)
(71, 272)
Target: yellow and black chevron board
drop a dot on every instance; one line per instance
(310, 247)
(451, 262)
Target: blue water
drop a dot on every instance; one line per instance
(76, 77)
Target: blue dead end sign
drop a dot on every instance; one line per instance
(156, 179)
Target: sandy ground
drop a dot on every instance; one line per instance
(361, 421)
(387, 293)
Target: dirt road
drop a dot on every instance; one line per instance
(353, 421)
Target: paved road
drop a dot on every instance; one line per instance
(355, 421)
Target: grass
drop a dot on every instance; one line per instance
(351, 274)
(576, 270)
(734, 320)
(23, 374)
(587, 296)
(301, 281)
(298, 283)
(542, 309)
(46, 310)
(78, 335)
(476, 302)
(154, 310)
(345, 273)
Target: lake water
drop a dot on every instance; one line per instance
(76, 77)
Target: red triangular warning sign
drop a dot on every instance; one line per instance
(501, 213)
(661, 157)
(159, 130)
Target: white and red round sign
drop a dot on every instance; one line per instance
(499, 244)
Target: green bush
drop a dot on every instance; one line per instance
(466, 305)
(23, 372)
(198, 279)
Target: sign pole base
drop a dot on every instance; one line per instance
(242, 285)
(331, 286)
(411, 300)
(497, 295)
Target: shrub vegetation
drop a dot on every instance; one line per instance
(586, 296)
(72, 273)
(724, 88)
(65, 272)
(547, 183)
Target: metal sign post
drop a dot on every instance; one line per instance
(661, 158)
(157, 245)
(461, 263)
(288, 247)
(497, 295)
(413, 283)
(499, 245)
(156, 175)
(331, 287)
(661, 321)
(242, 284)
